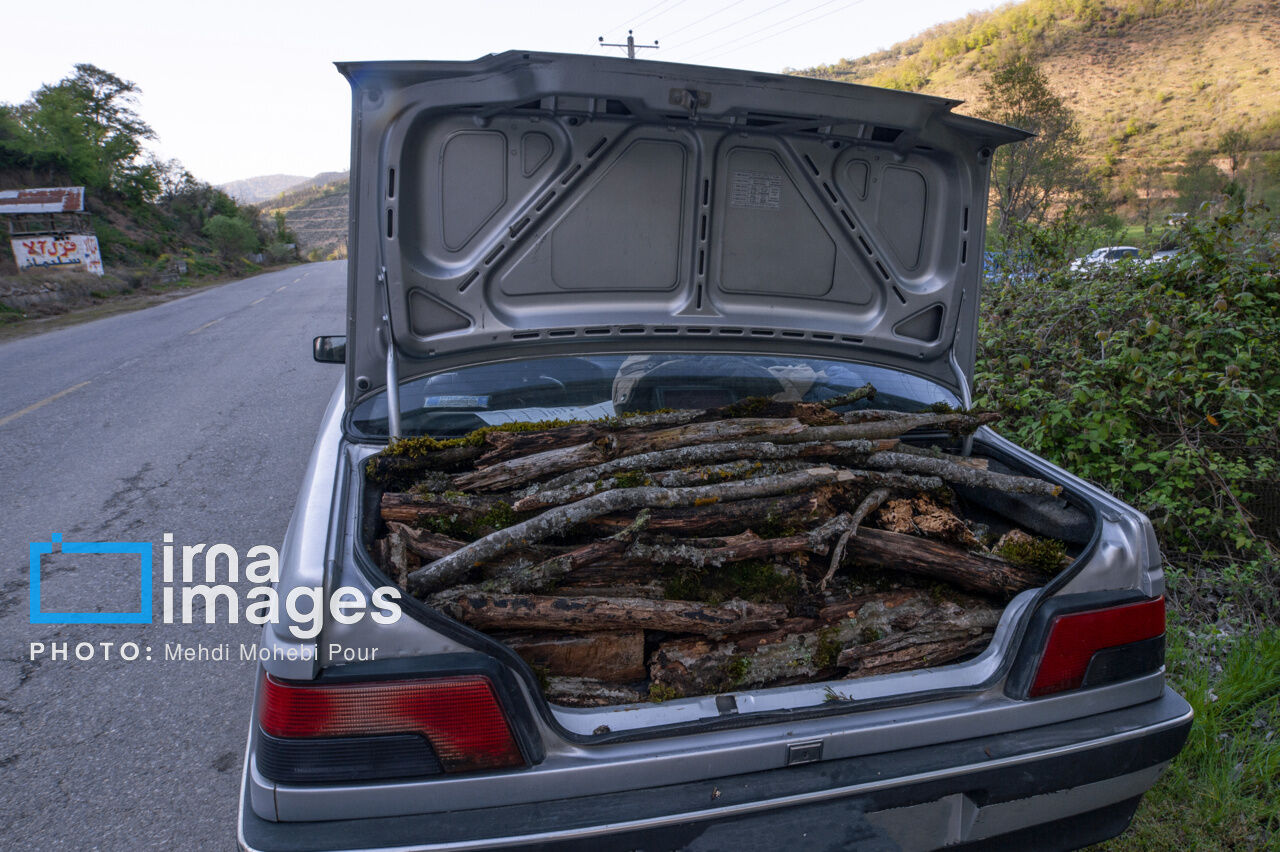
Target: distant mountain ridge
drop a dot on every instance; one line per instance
(255, 189)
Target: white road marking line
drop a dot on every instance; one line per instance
(206, 325)
(296, 280)
(48, 399)
(278, 289)
(256, 301)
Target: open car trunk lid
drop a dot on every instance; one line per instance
(528, 203)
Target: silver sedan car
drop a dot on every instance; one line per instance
(526, 229)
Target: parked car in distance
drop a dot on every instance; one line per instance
(1164, 255)
(525, 229)
(1105, 255)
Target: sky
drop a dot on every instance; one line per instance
(236, 89)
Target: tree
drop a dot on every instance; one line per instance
(86, 125)
(231, 235)
(1199, 181)
(1233, 144)
(171, 177)
(1028, 177)
(283, 233)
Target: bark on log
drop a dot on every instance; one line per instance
(501, 446)
(961, 474)
(636, 441)
(684, 457)
(680, 553)
(651, 590)
(548, 572)
(868, 505)
(916, 650)
(922, 557)
(933, 453)
(409, 508)
(586, 614)
(514, 472)
(891, 624)
(889, 428)
(956, 422)
(615, 655)
(543, 498)
(400, 471)
(425, 545)
(808, 413)
(727, 518)
(454, 568)
(867, 391)
(585, 692)
(518, 471)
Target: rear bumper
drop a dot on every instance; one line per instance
(1059, 786)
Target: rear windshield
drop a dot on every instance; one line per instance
(447, 405)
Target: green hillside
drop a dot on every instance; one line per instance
(1156, 85)
(316, 211)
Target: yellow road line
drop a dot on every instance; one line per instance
(48, 399)
(256, 301)
(206, 325)
(278, 289)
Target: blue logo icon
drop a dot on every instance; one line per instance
(142, 548)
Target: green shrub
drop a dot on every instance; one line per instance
(232, 235)
(1159, 382)
(280, 252)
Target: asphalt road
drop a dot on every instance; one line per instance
(195, 418)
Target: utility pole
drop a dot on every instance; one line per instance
(631, 45)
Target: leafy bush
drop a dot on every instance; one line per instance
(281, 252)
(1158, 381)
(231, 235)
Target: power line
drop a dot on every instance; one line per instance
(766, 27)
(732, 49)
(705, 17)
(644, 21)
(629, 20)
(740, 21)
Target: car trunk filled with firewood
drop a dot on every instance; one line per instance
(682, 553)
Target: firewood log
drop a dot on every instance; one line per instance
(803, 650)
(455, 567)
(586, 614)
(614, 655)
(517, 471)
(894, 552)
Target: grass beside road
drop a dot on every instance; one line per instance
(1223, 791)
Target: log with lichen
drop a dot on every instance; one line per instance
(758, 544)
(877, 633)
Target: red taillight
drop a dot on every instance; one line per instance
(1075, 638)
(460, 716)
